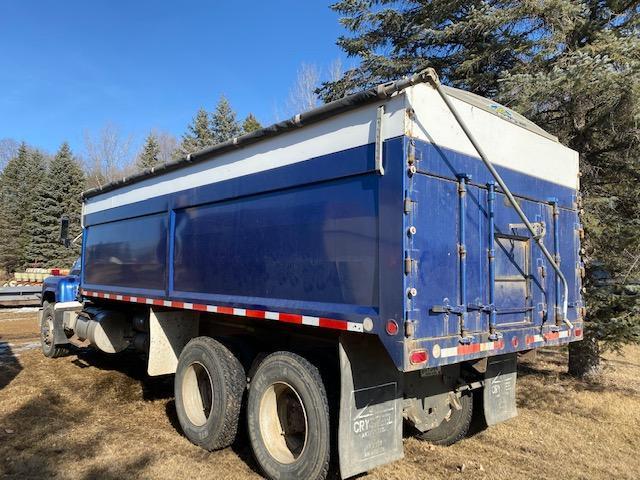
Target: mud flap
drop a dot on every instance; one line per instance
(59, 309)
(169, 332)
(500, 389)
(370, 425)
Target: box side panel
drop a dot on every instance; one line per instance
(315, 243)
(128, 254)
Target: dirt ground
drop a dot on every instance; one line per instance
(90, 416)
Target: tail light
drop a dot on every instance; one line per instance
(391, 327)
(417, 357)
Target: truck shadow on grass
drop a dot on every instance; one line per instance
(9, 365)
(39, 446)
(129, 364)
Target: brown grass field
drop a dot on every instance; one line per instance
(89, 416)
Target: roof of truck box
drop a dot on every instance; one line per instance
(318, 114)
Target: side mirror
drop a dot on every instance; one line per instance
(64, 230)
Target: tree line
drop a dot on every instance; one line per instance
(37, 189)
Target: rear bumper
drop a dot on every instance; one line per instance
(449, 350)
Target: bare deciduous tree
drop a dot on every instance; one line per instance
(335, 70)
(107, 155)
(168, 145)
(302, 96)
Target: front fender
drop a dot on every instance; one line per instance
(65, 289)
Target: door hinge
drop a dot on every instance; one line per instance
(409, 265)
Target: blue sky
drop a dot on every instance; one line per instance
(72, 66)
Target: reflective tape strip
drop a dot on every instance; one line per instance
(470, 349)
(240, 312)
(548, 336)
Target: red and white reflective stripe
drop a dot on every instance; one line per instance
(467, 349)
(241, 312)
(547, 336)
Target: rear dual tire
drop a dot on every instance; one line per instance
(287, 408)
(453, 428)
(288, 418)
(209, 385)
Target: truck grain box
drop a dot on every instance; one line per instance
(371, 266)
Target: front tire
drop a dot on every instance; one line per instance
(288, 418)
(209, 385)
(454, 427)
(47, 333)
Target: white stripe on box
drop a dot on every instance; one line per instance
(449, 352)
(313, 321)
(354, 327)
(338, 133)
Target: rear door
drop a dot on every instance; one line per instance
(519, 279)
(452, 297)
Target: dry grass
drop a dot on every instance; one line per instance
(90, 416)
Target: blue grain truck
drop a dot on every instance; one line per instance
(373, 265)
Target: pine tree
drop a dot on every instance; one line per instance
(569, 65)
(198, 135)
(14, 189)
(59, 196)
(35, 174)
(250, 124)
(150, 155)
(224, 125)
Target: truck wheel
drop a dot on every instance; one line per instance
(455, 425)
(47, 334)
(288, 418)
(209, 385)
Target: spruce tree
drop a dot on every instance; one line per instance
(14, 189)
(250, 124)
(35, 174)
(198, 135)
(59, 196)
(573, 67)
(224, 125)
(150, 155)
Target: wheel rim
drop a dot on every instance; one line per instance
(283, 422)
(197, 394)
(46, 331)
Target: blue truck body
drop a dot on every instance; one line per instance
(331, 240)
